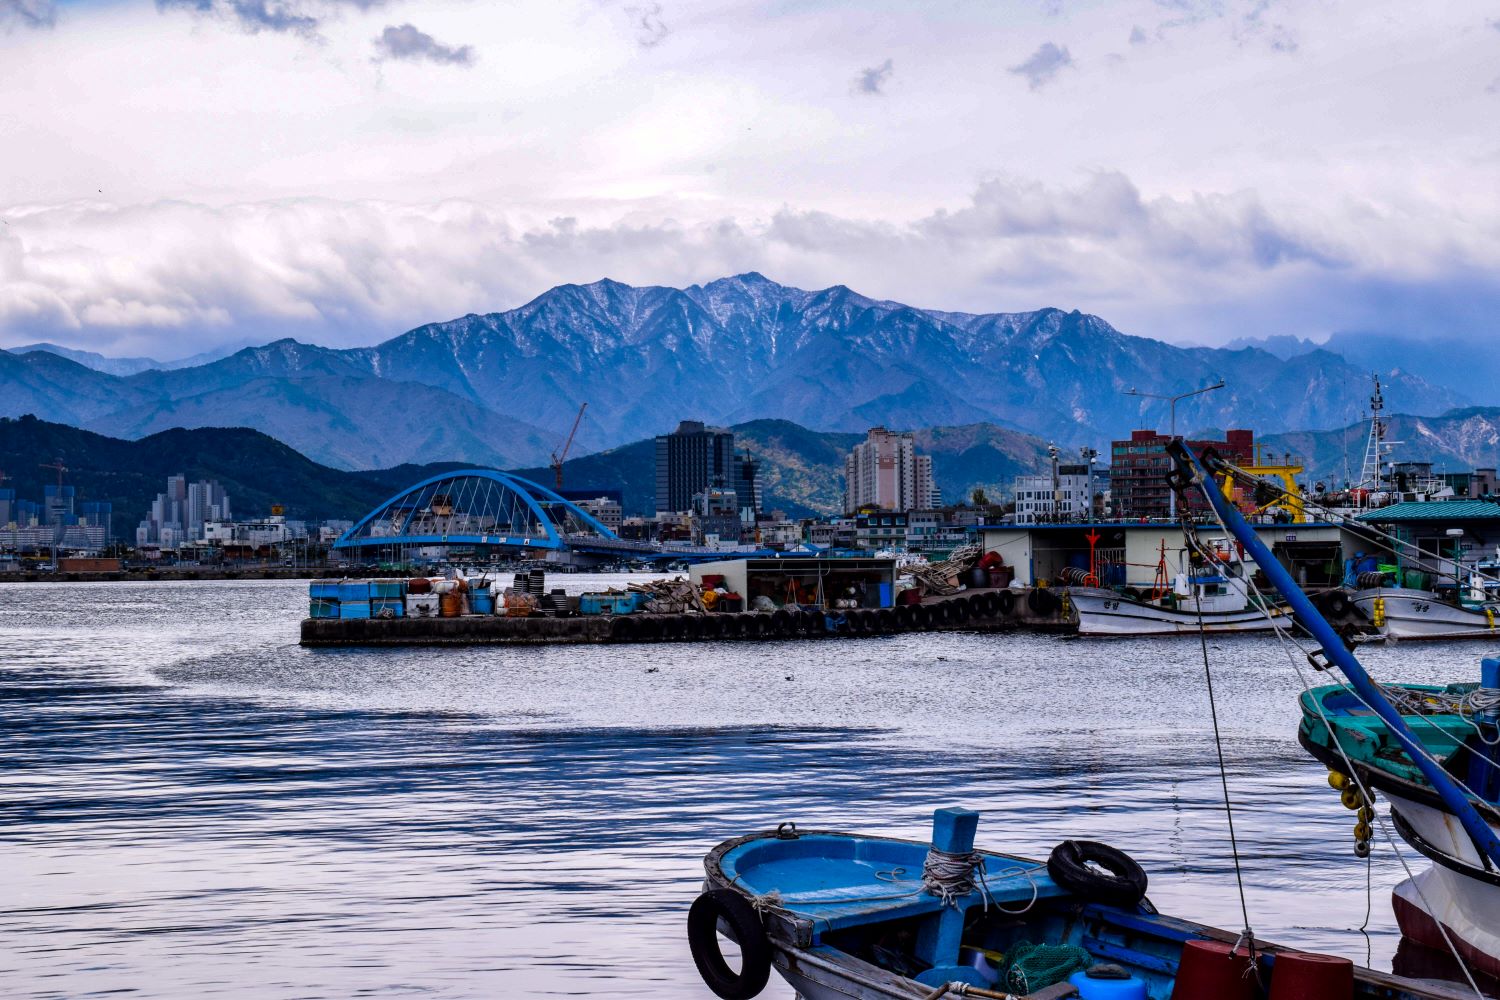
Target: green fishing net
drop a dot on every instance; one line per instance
(1036, 966)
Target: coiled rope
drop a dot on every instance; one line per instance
(948, 875)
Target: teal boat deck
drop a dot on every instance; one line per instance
(1367, 739)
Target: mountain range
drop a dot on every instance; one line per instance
(503, 388)
(1457, 441)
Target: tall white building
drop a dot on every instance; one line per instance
(1038, 503)
(884, 470)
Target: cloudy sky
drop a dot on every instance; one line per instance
(186, 173)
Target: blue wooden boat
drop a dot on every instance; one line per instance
(840, 915)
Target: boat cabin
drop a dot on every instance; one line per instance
(1451, 547)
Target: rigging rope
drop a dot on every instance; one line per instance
(1288, 643)
(1235, 472)
(1247, 934)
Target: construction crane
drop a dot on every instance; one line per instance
(61, 527)
(58, 465)
(560, 455)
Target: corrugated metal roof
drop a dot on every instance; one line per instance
(1436, 510)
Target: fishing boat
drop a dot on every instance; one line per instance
(1210, 601)
(1457, 727)
(1457, 611)
(840, 915)
(1211, 596)
(1434, 752)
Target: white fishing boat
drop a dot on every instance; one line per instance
(1445, 610)
(1400, 613)
(1213, 597)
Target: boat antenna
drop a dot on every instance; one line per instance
(1369, 471)
(1189, 471)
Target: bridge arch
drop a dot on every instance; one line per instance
(477, 507)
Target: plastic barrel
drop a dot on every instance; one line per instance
(1297, 975)
(1208, 971)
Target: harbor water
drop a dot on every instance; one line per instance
(194, 806)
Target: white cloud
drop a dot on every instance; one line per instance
(171, 178)
(872, 79)
(1043, 65)
(28, 13)
(406, 41)
(357, 272)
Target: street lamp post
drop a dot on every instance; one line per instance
(1172, 494)
(1089, 455)
(1053, 450)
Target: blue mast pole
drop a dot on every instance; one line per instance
(1191, 470)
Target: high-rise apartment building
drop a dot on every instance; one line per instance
(884, 470)
(177, 516)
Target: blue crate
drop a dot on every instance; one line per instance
(610, 604)
(326, 590)
(354, 609)
(322, 607)
(355, 591)
(387, 588)
(395, 605)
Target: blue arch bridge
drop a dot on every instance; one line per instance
(499, 514)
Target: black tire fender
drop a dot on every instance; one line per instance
(921, 616)
(885, 619)
(783, 622)
(744, 926)
(624, 629)
(1337, 605)
(989, 605)
(958, 610)
(1007, 603)
(1042, 601)
(904, 618)
(1097, 872)
(813, 624)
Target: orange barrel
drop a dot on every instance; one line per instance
(451, 604)
(1208, 971)
(419, 585)
(1297, 975)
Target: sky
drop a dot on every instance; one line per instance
(182, 174)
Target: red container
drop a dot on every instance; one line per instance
(1297, 975)
(1209, 972)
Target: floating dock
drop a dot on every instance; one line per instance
(980, 610)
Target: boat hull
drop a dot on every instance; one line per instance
(1419, 614)
(1104, 612)
(1456, 892)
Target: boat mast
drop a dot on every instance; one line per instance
(1189, 471)
(1369, 473)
